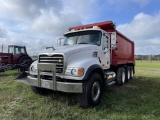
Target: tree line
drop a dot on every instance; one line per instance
(147, 57)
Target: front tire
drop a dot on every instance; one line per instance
(39, 90)
(92, 91)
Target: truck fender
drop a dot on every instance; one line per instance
(94, 68)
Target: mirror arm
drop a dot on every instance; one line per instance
(50, 47)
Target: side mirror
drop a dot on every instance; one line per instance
(113, 40)
(60, 41)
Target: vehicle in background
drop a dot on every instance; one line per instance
(16, 57)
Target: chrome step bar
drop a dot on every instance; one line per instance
(110, 78)
(111, 83)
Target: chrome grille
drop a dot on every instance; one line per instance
(57, 59)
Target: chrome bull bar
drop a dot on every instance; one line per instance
(42, 69)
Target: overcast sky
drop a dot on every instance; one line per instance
(38, 23)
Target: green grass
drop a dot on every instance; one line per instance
(148, 69)
(10, 72)
(137, 100)
(153, 65)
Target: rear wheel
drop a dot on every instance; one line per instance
(92, 91)
(0, 64)
(132, 72)
(24, 62)
(121, 76)
(128, 73)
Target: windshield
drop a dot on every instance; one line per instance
(11, 50)
(83, 37)
(16, 50)
(19, 50)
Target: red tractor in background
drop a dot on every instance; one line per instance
(16, 57)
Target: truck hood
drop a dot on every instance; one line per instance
(70, 49)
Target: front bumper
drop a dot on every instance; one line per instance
(69, 87)
(59, 86)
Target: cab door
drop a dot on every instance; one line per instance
(105, 53)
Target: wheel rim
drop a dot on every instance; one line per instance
(123, 77)
(132, 73)
(129, 74)
(95, 90)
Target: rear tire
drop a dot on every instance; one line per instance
(128, 73)
(92, 91)
(121, 76)
(132, 72)
(39, 90)
(26, 60)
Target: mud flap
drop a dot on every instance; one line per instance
(23, 78)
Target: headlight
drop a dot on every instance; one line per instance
(75, 71)
(33, 68)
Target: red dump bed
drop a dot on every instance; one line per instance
(124, 53)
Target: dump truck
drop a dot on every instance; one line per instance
(93, 57)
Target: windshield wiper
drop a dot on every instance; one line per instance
(65, 44)
(82, 43)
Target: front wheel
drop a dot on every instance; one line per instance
(92, 91)
(39, 90)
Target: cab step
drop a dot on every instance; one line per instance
(110, 83)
